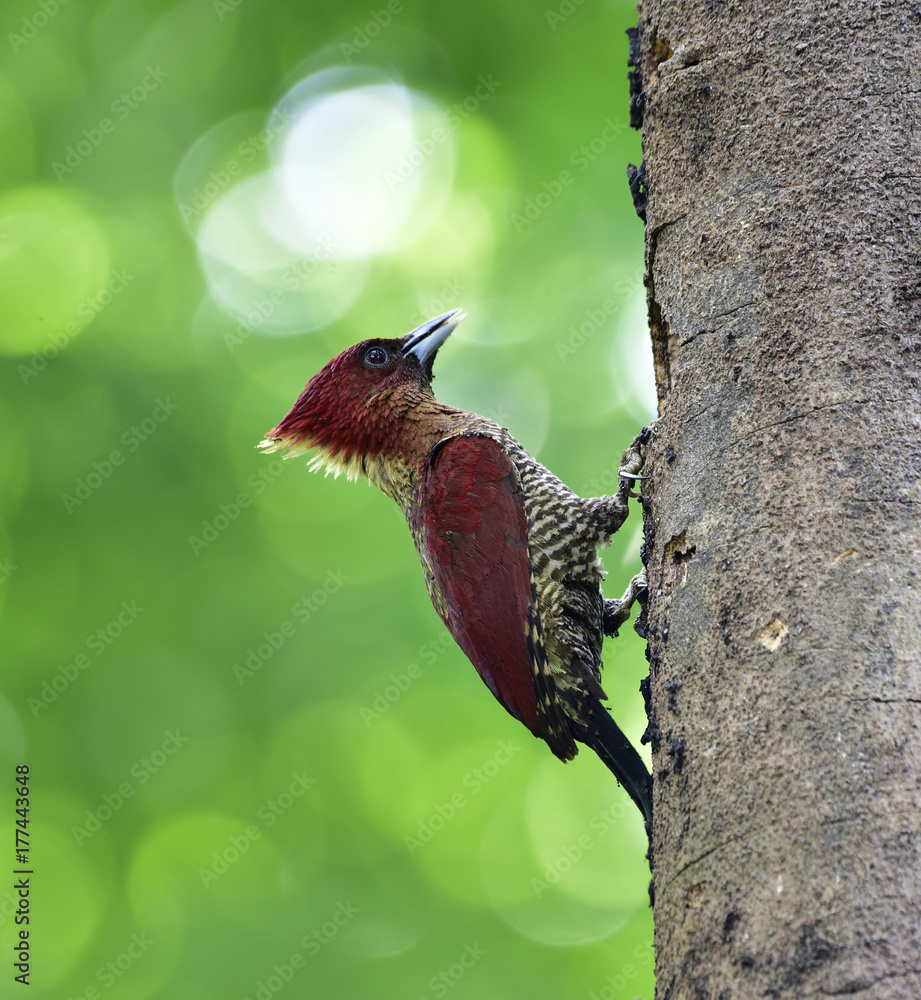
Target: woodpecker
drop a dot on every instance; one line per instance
(509, 553)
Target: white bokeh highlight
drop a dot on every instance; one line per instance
(356, 166)
(631, 360)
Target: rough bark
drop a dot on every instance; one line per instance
(783, 495)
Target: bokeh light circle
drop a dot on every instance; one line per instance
(353, 165)
(578, 874)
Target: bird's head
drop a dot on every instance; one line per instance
(355, 407)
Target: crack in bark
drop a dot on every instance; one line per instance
(835, 820)
(809, 412)
(886, 701)
(883, 500)
(691, 337)
(861, 987)
(735, 309)
(795, 417)
(706, 854)
(873, 93)
(658, 325)
(694, 416)
(654, 235)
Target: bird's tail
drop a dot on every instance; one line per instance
(596, 729)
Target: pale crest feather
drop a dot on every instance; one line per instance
(353, 468)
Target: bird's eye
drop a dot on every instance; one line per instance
(376, 357)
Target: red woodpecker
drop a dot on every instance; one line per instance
(509, 553)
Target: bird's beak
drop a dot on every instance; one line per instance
(425, 340)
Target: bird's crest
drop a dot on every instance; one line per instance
(353, 409)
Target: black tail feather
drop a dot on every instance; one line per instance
(596, 729)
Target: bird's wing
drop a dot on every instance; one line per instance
(472, 518)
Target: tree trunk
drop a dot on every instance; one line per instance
(783, 503)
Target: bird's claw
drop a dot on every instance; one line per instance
(616, 612)
(633, 478)
(641, 625)
(632, 461)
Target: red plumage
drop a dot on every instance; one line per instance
(509, 552)
(340, 409)
(470, 512)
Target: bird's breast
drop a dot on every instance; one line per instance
(396, 477)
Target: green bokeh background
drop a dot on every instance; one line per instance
(258, 767)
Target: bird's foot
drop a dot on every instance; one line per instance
(616, 612)
(632, 462)
(641, 625)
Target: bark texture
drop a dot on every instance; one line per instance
(782, 146)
